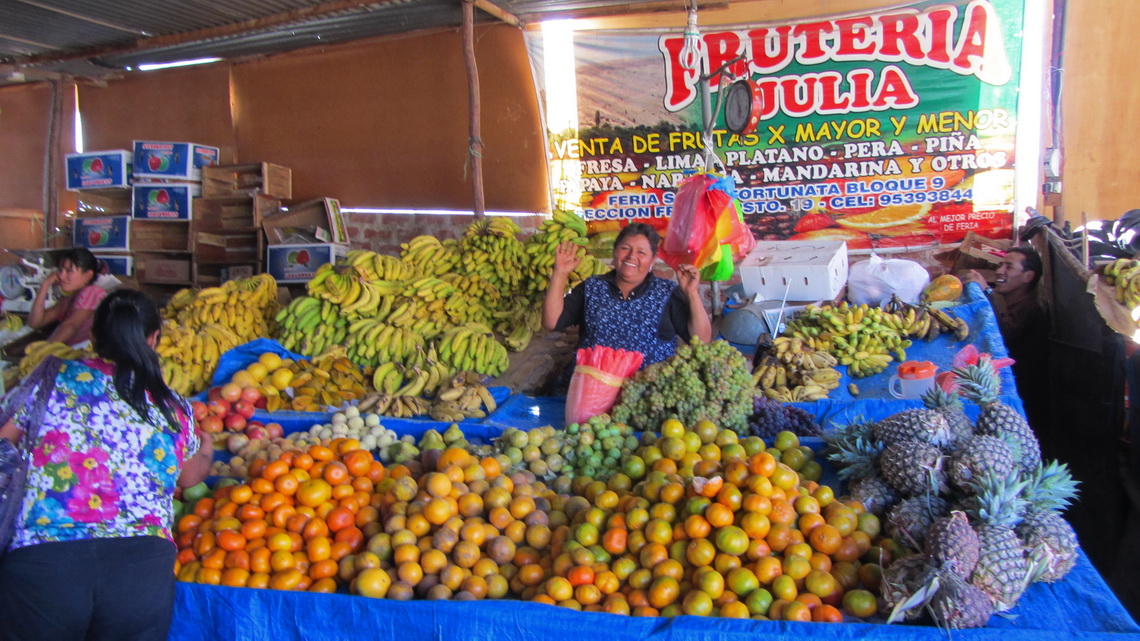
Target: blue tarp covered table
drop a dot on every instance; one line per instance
(1079, 607)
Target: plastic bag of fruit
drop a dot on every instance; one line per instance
(598, 375)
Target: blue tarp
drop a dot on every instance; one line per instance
(1079, 607)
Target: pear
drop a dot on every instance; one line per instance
(403, 451)
(453, 434)
(432, 440)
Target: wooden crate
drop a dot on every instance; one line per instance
(980, 254)
(104, 202)
(233, 212)
(257, 178)
(160, 268)
(228, 247)
(210, 274)
(154, 235)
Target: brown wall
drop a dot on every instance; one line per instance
(1101, 109)
(24, 118)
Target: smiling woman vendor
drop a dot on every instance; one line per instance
(76, 310)
(628, 308)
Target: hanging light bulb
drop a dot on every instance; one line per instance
(691, 51)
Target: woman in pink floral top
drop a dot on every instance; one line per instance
(93, 554)
(74, 313)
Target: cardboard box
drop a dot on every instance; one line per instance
(172, 160)
(98, 169)
(165, 235)
(108, 232)
(234, 212)
(164, 201)
(23, 229)
(211, 246)
(157, 268)
(319, 219)
(247, 180)
(118, 264)
(104, 202)
(298, 263)
(795, 270)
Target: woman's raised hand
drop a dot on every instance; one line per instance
(688, 278)
(566, 258)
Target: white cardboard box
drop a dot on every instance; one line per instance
(795, 270)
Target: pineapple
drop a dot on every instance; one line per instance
(853, 451)
(924, 425)
(958, 604)
(914, 468)
(953, 544)
(981, 457)
(950, 406)
(876, 495)
(1048, 536)
(909, 521)
(902, 578)
(995, 508)
(979, 384)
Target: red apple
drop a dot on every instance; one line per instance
(211, 424)
(218, 407)
(256, 432)
(275, 430)
(250, 394)
(234, 422)
(261, 403)
(214, 393)
(244, 408)
(200, 410)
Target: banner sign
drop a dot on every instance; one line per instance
(891, 128)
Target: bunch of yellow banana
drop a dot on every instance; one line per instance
(371, 342)
(428, 289)
(373, 266)
(181, 299)
(490, 248)
(412, 380)
(464, 397)
(338, 283)
(246, 306)
(11, 323)
(189, 354)
(562, 227)
(429, 256)
(329, 381)
(798, 394)
(394, 406)
(36, 352)
(1124, 275)
(475, 287)
(473, 347)
(792, 365)
(518, 324)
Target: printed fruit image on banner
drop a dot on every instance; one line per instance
(890, 128)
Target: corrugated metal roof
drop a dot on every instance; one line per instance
(89, 38)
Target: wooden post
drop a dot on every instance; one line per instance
(475, 144)
(51, 163)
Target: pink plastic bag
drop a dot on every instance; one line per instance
(597, 381)
(691, 234)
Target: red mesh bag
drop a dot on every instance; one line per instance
(597, 380)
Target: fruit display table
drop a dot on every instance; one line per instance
(1079, 607)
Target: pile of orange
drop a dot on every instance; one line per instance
(290, 526)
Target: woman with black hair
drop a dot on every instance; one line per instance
(93, 555)
(76, 275)
(628, 308)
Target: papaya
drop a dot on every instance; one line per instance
(943, 288)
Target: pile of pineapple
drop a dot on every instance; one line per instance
(973, 500)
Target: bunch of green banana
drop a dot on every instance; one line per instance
(373, 266)
(518, 324)
(371, 342)
(11, 323)
(465, 396)
(340, 284)
(36, 352)
(473, 347)
(1124, 275)
(189, 355)
(475, 288)
(490, 248)
(540, 247)
(429, 256)
(428, 289)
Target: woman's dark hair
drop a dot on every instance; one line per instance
(119, 332)
(640, 229)
(1030, 261)
(82, 259)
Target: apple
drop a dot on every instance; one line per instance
(154, 163)
(244, 408)
(235, 442)
(212, 424)
(96, 165)
(162, 197)
(275, 430)
(256, 432)
(234, 422)
(303, 257)
(219, 407)
(93, 238)
(261, 403)
(214, 393)
(250, 394)
(200, 410)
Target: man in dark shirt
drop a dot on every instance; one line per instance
(1024, 326)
